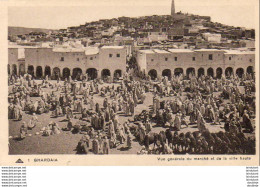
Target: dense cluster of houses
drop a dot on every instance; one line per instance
(192, 30)
(162, 46)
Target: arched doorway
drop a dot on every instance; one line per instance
(105, 73)
(8, 69)
(66, 73)
(76, 73)
(153, 74)
(210, 72)
(47, 71)
(201, 72)
(56, 73)
(178, 71)
(14, 69)
(228, 71)
(117, 74)
(240, 72)
(250, 70)
(219, 73)
(167, 73)
(21, 69)
(92, 73)
(39, 72)
(30, 70)
(190, 72)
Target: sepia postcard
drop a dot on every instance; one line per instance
(113, 82)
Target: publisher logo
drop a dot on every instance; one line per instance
(19, 161)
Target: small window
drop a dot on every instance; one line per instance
(118, 55)
(176, 58)
(210, 57)
(91, 58)
(193, 58)
(152, 60)
(110, 55)
(230, 58)
(250, 60)
(166, 59)
(77, 59)
(62, 59)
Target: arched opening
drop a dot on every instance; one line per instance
(167, 73)
(66, 73)
(39, 72)
(56, 73)
(190, 72)
(92, 73)
(250, 70)
(219, 73)
(240, 72)
(229, 71)
(105, 74)
(14, 69)
(153, 74)
(30, 70)
(201, 72)
(47, 71)
(178, 71)
(76, 73)
(8, 69)
(117, 74)
(21, 69)
(210, 72)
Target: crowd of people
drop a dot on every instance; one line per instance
(183, 108)
(203, 102)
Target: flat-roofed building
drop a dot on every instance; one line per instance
(16, 62)
(214, 38)
(65, 62)
(211, 62)
(12, 60)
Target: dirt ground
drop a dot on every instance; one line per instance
(66, 142)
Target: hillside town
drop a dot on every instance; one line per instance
(172, 84)
(178, 31)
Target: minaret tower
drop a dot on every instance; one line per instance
(173, 8)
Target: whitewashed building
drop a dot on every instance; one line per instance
(65, 62)
(214, 38)
(212, 62)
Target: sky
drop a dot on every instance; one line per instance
(62, 14)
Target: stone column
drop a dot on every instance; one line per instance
(11, 69)
(26, 68)
(196, 72)
(184, 72)
(99, 74)
(34, 70)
